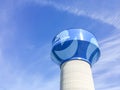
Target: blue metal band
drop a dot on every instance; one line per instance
(75, 44)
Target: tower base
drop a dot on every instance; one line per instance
(76, 75)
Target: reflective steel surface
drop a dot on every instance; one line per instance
(75, 44)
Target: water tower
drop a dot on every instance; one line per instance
(75, 51)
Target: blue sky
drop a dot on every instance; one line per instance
(27, 28)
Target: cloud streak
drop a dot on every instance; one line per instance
(106, 71)
(100, 10)
(14, 78)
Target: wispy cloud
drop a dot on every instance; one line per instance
(18, 78)
(14, 78)
(104, 11)
(106, 71)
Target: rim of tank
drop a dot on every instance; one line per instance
(76, 34)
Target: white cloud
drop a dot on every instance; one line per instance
(33, 82)
(106, 70)
(14, 78)
(105, 11)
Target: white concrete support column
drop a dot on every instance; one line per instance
(76, 75)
